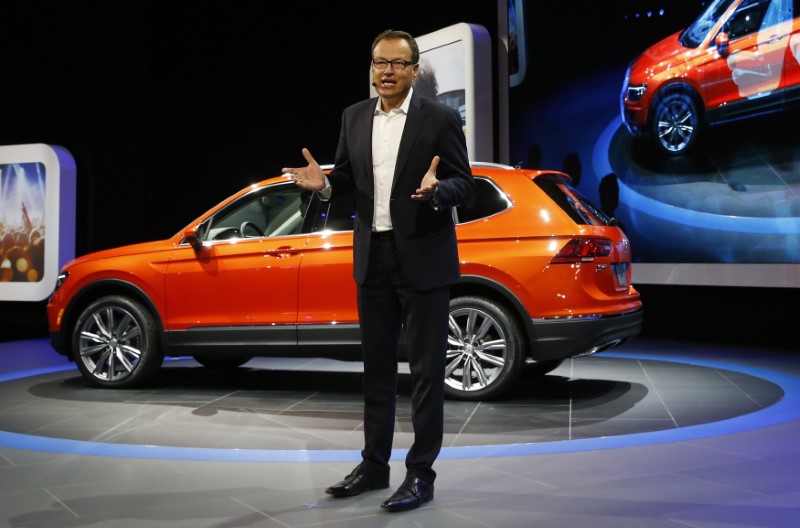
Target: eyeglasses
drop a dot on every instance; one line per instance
(397, 64)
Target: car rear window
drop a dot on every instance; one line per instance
(577, 206)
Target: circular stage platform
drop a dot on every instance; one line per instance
(310, 409)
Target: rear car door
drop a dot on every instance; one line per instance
(327, 312)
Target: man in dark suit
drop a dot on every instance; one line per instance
(405, 156)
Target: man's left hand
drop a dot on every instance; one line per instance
(427, 187)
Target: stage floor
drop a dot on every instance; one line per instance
(654, 433)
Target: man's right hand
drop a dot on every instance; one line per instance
(310, 177)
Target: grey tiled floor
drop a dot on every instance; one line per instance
(654, 433)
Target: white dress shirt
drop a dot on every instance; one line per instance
(387, 128)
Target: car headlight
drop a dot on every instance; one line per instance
(635, 92)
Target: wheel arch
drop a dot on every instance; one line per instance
(102, 288)
(478, 286)
(677, 87)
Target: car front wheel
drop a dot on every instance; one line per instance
(115, 343)
(675, 124)
(484, 352)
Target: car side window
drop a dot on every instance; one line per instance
(268, 212)
(486, 201)
(747, 18)
(337, 214)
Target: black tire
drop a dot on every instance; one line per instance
(675, 123)
(115, 343)
(485, 354)
(222, 363)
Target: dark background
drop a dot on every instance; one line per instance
(168, 107)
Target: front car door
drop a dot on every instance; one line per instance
(243, 280)
(745, 78)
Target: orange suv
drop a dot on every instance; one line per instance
(738, 59)
(268, 272)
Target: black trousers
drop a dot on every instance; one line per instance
(387, 306)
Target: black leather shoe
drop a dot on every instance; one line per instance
(356, 483)
(410, 495)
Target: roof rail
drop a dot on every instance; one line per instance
(491, 164)
(472, 163)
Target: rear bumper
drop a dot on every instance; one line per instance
(579, 336)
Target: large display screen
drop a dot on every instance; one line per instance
(37, 219)
(679, 119)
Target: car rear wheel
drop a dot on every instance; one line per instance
(675, 124)
(115, 343)
(484, 353)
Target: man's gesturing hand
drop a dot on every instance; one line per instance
(429, 182)
(309, 177)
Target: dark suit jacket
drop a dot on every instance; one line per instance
(425, 237)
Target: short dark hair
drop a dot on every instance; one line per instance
(395, 34)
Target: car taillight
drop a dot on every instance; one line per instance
(583, 250)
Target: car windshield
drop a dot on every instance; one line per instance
(694, 35)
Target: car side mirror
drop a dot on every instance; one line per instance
(722, 43)
(191, 237)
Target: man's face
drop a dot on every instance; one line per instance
(394, 81)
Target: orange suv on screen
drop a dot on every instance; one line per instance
(268, 272)
(738, 59)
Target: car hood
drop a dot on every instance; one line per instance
(665, 52)
(121, 251)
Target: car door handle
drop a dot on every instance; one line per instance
(282, 252)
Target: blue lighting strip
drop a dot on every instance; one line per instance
(785, 410)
